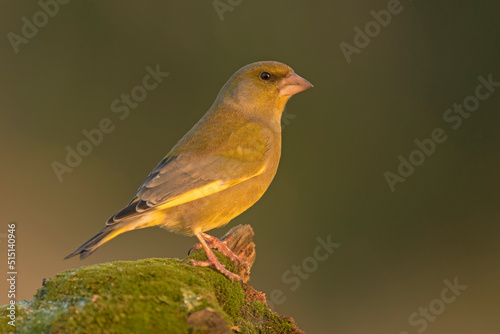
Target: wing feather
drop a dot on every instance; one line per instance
(190, 175)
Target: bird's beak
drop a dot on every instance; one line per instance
(293, 84)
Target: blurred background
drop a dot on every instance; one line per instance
(397, 246)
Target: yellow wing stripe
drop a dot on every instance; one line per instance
(111, 236)
(204, 191)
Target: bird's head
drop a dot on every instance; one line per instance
(264, 87)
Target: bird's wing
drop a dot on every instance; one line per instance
(188, 176)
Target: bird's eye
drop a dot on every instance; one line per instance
(265, 76)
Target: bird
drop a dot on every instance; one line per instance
(218, 169)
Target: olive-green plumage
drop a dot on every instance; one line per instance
(222, 166)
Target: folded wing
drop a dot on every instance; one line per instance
(191, 175)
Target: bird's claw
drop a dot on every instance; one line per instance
(219, 266)
(195, 247)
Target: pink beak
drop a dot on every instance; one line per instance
(293, 84)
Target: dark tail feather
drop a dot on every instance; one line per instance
(106, 234)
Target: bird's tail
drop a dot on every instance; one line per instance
(106, 234)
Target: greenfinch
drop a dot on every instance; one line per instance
(219, 169)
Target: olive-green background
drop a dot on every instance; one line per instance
(340, 137)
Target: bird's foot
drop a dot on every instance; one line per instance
(212, 260)
(219, 266)
(222, 247)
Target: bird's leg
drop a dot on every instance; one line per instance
(212, 260)
(222, 247)
(197, 247)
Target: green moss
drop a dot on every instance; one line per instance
(257, 318)
(145, 296)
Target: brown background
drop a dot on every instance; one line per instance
(396, 247)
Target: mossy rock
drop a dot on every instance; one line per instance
(146, 296)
